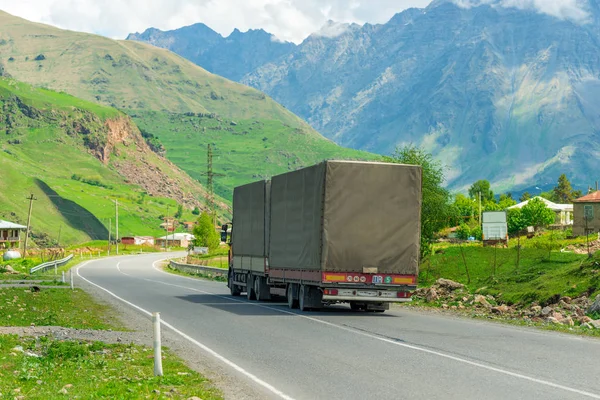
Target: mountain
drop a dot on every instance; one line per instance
(501, 93)
(77, 157)
(231, 57)
(184, 106)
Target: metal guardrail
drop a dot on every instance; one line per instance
(51, 264)
(197, 269)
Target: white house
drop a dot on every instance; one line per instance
(564, 212)
(176, 240)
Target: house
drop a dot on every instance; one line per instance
(175, 240)
(169, 224)
(10, 234)
(189, 226)
(564, 212)
(138, 240)
(587, 213)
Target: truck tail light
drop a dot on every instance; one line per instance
(404, 295)
(330, 292)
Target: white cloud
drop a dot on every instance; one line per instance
(291, 20)
(574, 10)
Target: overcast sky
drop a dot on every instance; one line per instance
(291, 20)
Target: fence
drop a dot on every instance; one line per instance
(51, 264)
(197, 269)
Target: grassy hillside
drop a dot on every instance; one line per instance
(153, 84)
(243, 150)
(540, 273)
(77, 157)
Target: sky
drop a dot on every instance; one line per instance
(291, 20)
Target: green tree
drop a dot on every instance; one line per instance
(515, 221)
(536, 213)
(563, 192)
(205, 233)
(525, 196)
(466, 207)
(483, 187)
(196, 211)
(179, 212)
(436, 209)
(505, 201)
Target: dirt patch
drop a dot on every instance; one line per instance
(62, 333)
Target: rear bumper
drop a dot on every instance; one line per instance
(375, 299)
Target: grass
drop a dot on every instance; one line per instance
(248, 151)
(60, 307)
(541, 276)
(93, 370)
(76, 209)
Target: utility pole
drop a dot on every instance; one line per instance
(59, 232)
(109, 229)
(479, 196)
(167, 229)
(210, 174)
(117, 223)
(31, 198)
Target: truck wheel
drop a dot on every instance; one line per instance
(250, 295)
(233, 289)
(292, 303)
(302, 298)
(261, 289)
(355, 306)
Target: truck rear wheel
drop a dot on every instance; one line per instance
(261, 289)
(292, 302)
(250, 295)
(235, 290)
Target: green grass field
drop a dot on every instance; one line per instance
(39, 155)
(85, 369)
(540, 275)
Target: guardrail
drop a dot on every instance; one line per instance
(51, 264)
(197, 269)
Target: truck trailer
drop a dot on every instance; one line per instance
(335, 232)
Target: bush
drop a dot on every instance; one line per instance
(205, 233)
(463, 232)
(196, 211)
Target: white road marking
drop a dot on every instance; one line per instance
(383, 339)
(233, 365)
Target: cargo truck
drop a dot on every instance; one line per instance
(335, 232)
(494, 228)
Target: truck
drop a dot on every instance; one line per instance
(335, 232)
(494, 228)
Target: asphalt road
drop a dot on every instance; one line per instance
(339, 354)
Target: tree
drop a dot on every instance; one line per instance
(505, 201)
(483, 187)
(466, 207)
(205, 233)
(515, 221)
(196, 211)
(563, 192)
(179, 212)
(536, 213)
(435, 209)
(525, 196)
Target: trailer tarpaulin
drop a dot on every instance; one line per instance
(296, 218)
(345, 216)
(372, 217)
(250, 213)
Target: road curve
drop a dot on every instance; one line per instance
(340, 354)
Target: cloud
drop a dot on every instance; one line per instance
(573, 10)
(291, 20)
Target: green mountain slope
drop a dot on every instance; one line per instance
(152, 85)
(77, 157)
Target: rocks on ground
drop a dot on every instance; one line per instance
(565, 311)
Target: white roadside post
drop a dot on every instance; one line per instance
(71, 278)
(157, 346)
(63, 276)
